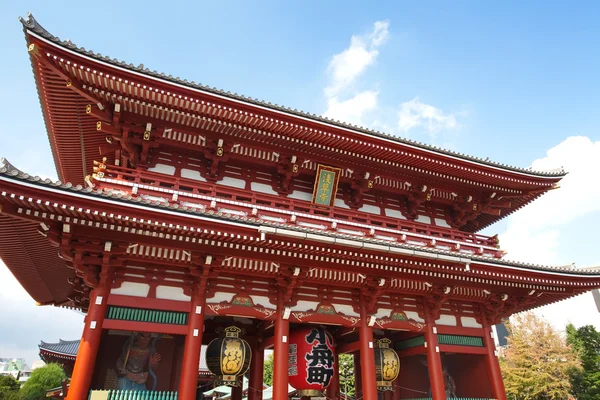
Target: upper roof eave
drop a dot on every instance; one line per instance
(12, 173)
(30, 24)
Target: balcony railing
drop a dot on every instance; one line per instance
(210, 197)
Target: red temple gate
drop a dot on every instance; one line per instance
(183, 210)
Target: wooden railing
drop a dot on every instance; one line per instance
(204, 196)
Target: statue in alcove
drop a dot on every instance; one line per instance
(138, 360)
(449, 384)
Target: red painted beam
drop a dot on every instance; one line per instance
(144, 327)
(448, 348)
(267, 343)
(147, 303)
(412, 351)
(348, 348)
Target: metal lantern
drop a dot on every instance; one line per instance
(311, 360)
(228, 357)
(387, 364)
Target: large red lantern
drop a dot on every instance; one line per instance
(311, 360)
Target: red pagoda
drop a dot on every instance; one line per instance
(186, 215)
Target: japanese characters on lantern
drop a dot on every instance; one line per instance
(387, 364)
(228, 357)
(311, 360)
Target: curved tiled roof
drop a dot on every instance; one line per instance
(63, 347)
(9, 171)
(32, 25)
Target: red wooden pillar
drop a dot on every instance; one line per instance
(281, 352)
(357, 377)
(367, 355)
(188, 382)
(236, 391)
(493, 366)
(90, 341)
(333, 390)
(434, 362)
(397, 387)
(257, 364)
(388, 395)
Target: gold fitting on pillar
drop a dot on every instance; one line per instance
(146, 135)
(220, 151)
(69, 83)
(88, 109)
(99, 125)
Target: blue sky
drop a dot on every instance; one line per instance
(507, 81)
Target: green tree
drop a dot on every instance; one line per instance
(42, 379)
(347, 372)
(586, 343)
(268, 371)
(9, 387)
(537, 362)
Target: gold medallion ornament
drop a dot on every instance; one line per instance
(228, 356)
(387, 364)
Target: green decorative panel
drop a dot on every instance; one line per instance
(144, 315)
(131, 395)
(410, 343)
(458, 340)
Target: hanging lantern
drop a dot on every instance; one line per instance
(311, 360)
(228, 357)
(387, 364)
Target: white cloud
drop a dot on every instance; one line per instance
(348, 65)
(353, 109)
(361, 107)
(533, 233)
(415, 113)
(23, 324)
(345, 68)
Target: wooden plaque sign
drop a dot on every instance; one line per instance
(326, 185)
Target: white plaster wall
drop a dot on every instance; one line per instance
(305, 305)
(192, 174)
(370, 209)
(163, 169)
(261, 301)
(221, 297)
(132, 289)
(346, 310)
(298, 195)
(383, 312)
(414, 316)
(425, 219)
(470, 322)
(441, 222)
(339, 203)
(262, 188)
(232, 182)
(394, 213)
(444, 319)
(171, 293)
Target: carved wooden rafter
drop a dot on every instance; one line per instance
(360, 184)
(288, 168)
(216, 154)
(467, 208)
(435, 299)
(417, 195)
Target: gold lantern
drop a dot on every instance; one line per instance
(228, 357)
(387, 364)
